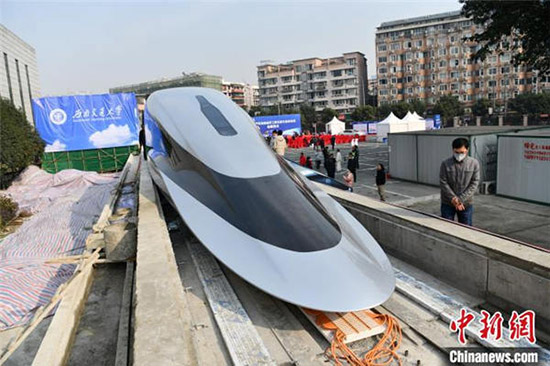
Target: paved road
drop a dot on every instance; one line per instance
(370, 154)
(528, 222)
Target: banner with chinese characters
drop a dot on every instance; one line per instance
(288, 123)
(82, 122)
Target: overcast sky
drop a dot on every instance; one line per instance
(94, 45)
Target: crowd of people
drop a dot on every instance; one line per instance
(331, 160)
(298, 141)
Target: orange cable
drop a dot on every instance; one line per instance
(382, 354)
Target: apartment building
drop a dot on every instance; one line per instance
(244, 95)
(427, 57)
(339, 83)
(251, 95)
(235, 91)
(19, 81)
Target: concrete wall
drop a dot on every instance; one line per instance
(510, 275)
(25, 84)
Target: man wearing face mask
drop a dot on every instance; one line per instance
(459, 179)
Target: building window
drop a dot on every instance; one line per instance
(442, 63)
(505, 57)
(382, 59)
(382, 47)
(418, 43)
(8, 75)
(493, 71)
(442, 52)
(28, 81)
(394, 58)
(395, 46)
(20, 85)
(336, 73)
(455, 50)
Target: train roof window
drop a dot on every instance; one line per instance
(215, 117)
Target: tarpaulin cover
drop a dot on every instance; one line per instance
(83, 122)
(64, 206)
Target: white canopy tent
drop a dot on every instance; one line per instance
(335, 126)
(414, 122)
(390, 125)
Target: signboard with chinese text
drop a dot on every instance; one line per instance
(82, 122)
(288, 123)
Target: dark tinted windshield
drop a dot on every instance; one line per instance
(279, 209)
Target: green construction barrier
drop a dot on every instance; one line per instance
(98, 160)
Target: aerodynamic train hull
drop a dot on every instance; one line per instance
(254, 212)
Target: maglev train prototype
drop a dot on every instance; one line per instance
(254, 212)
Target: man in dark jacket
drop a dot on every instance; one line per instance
(459, 178)
(381, 181)
(355, 151)
(330, 165)
(352, 167)
(332, 141)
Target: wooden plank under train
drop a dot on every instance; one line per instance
(241, 337)
(355, 325)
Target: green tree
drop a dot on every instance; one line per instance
(308, 117)
(400, 109)
(525, 23)
(20, 144)
(530, 103)
(364, 113)
(383, 111)
(327, 114)
(481, 107)
(448, 107)
(255, 110)
(418, 106)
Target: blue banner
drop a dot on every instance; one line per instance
(437, 121)
(82, 122)
(153, 136)
(288, 123)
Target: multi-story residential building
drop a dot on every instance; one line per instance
(251, 95)
(19, 81)
(245, 95)
(339, 83)
(427, 57)
(235, 91)
(194, 79)
(372, 95)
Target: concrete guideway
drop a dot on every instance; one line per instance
(284, 331)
